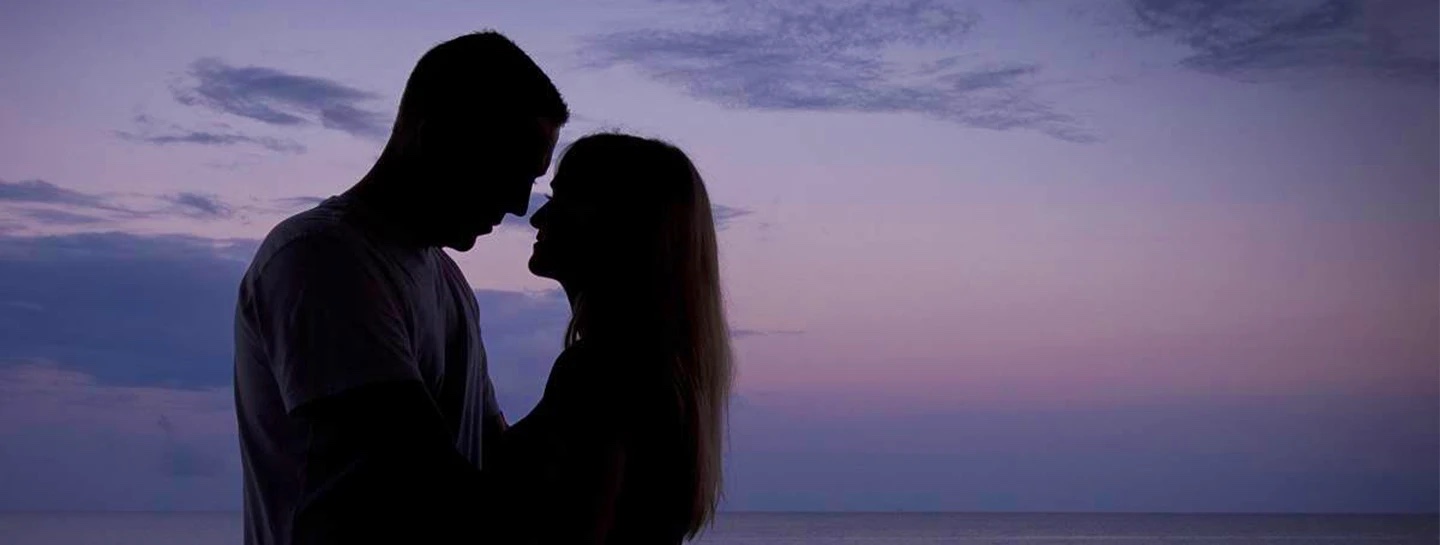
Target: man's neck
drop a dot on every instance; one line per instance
(392, 211)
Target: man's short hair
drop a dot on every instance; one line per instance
(475, 74)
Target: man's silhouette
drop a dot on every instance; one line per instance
(364, 404)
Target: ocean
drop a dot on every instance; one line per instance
(825, 528)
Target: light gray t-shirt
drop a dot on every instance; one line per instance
(328, 305)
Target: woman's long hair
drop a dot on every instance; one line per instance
(659, 286)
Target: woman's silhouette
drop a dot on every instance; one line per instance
(625, 445)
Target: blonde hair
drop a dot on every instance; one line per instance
(672, 281)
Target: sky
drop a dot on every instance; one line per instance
(1111, 255)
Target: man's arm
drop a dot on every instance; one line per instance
(581, 502)
(493, 428)
(380, 464)
(383, 469)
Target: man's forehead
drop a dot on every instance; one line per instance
(538, 134)
(548, 127)
(529, 130)
(551, 132)
(538, 128)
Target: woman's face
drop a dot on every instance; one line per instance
(568, 231)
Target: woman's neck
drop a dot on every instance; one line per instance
(613, 319)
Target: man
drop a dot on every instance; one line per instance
(364, 404)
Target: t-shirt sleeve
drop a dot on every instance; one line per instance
(492, 406)
(492, 427)
(329, 321)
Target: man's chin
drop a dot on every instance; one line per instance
(461, 244)
(464, 243)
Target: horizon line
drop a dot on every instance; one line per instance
(825, 512)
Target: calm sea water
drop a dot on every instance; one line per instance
(824, 528)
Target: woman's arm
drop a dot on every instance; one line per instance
(582, 496)
(564, 462)
(381, 466)
(562, 482)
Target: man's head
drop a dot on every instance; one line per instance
(477, 124)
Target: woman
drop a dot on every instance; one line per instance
(625, 445)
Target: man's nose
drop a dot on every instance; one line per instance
(520, 205)
(538, 218)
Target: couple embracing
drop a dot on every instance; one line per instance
(365, 409)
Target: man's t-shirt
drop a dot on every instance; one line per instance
(329, 305)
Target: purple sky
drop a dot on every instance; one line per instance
(1117, 255)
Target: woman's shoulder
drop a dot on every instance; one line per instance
(605, 359)
(611, 379)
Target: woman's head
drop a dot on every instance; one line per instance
(629, 234)
(621, 207)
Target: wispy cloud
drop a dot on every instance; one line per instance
(280, 98)
(724, 215)
(201, 206)
(894, 57)
(50, 216)
(40, 191)
(147, 132)
(47, 204)
(1393, 39)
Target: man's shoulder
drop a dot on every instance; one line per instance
(324, 225)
